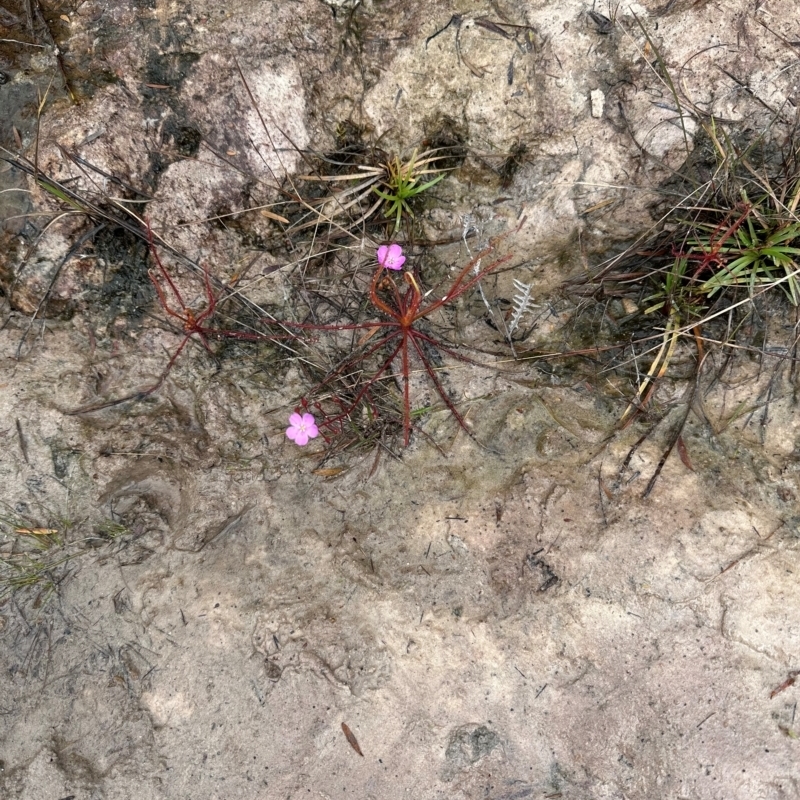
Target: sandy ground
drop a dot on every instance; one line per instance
(505, 621)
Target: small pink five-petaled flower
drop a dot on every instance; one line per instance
(302, 427)
(390, 256)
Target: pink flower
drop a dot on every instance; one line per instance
(302, 428)
(390, 256)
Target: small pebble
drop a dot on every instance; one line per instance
(598, 101)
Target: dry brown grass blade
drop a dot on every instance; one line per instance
(657, 370)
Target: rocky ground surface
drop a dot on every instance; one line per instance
(504, 616)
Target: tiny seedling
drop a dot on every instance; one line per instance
(29, 556)
(758, 254)
(402, 183)
(395, 182)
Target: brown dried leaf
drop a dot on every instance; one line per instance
(684, 454)
(352, 739)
